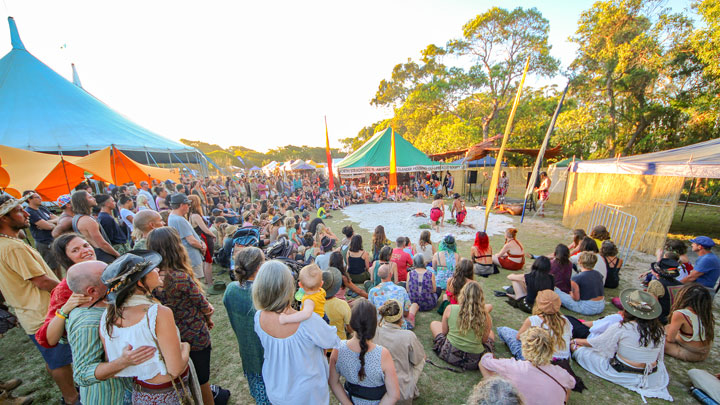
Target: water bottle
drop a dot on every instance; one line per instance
(701, 396)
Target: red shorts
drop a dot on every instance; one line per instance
(460, 217)
(508, 264)
(435, 214)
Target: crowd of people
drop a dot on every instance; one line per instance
(114, 295)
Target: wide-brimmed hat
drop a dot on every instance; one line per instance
(11, 203)
(179, 198)
(703, 241)
(276, 218)
(332, 281)
(548, 301)
(127, 270)
(667, 268)
(640, 304)
(327, 243)
(218, 287)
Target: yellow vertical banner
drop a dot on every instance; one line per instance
(328, 155)
(498, 163)
(393, 162)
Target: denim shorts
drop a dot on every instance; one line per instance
(56, 357)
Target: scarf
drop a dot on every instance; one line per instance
(137, 299)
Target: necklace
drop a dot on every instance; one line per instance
(2, 235)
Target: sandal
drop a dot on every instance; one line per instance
(499, 293)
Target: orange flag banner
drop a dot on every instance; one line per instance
(329, 157)
(492, 190)
(393, 162)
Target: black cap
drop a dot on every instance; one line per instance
(127, 270)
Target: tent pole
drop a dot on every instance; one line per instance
(153, 159)
(62, 162)
(112, 161)
(692, 185)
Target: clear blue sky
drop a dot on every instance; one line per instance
(257, 74)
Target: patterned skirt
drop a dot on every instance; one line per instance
(456, 357)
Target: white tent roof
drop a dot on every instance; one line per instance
(699, 160)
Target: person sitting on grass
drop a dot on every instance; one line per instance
(312, 294)
(465, 332)
(707, 265)
(608, 253)
(690, 334)
(587, 295)
(512, 254)
(463, 274)
(588, 245)
(407, 352)
(368, 368)
(421, 284)
(538, 380)
(526, 286)
(545, 314)
(444, 262)
(389, 290)
(629, 353)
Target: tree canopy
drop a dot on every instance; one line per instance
(643, 79)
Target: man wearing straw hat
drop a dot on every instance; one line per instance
(26, 282)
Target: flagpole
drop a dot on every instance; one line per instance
(541, 154)
(393, 163)
(496, 171)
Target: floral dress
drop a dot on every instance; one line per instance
(443, 273)
(420, 290)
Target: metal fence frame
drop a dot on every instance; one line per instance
(619, 224)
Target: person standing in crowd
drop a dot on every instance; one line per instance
(239, 305)
(543, 193)
(127, 215)
(195, 247)
(42, 222)
(145, 221)
(133, 318)
(161, 199)
(707, 266)
(64, 222)
(369, 371)
(107, 221)
(145, 192)
(26, 282)
(84, 224)
(539, 381)
(197, 221)
(183, 294)
(295, 369)
(91, 372)
(68, 249)
(406, 350)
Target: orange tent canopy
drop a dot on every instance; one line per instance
(50, 175)
(111, 166)
(161, 173)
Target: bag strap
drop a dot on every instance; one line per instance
(553, 378)
(454, 370)
(162, 359)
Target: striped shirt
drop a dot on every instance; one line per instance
(87, 350)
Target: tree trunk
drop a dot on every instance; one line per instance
(639, 129)
(613, 123)
(488, 119)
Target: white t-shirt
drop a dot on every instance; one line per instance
(124, 213)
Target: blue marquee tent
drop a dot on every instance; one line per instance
(44, 112)
(484, 162)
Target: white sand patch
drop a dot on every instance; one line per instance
(398, 220)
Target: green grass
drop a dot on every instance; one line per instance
(21, 359)
(698, 220)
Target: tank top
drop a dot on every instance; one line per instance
(468, 342)
(564, 353)
(698, 329)
(348, 365)
(443, 273)
(356, 265)
(136, 335)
